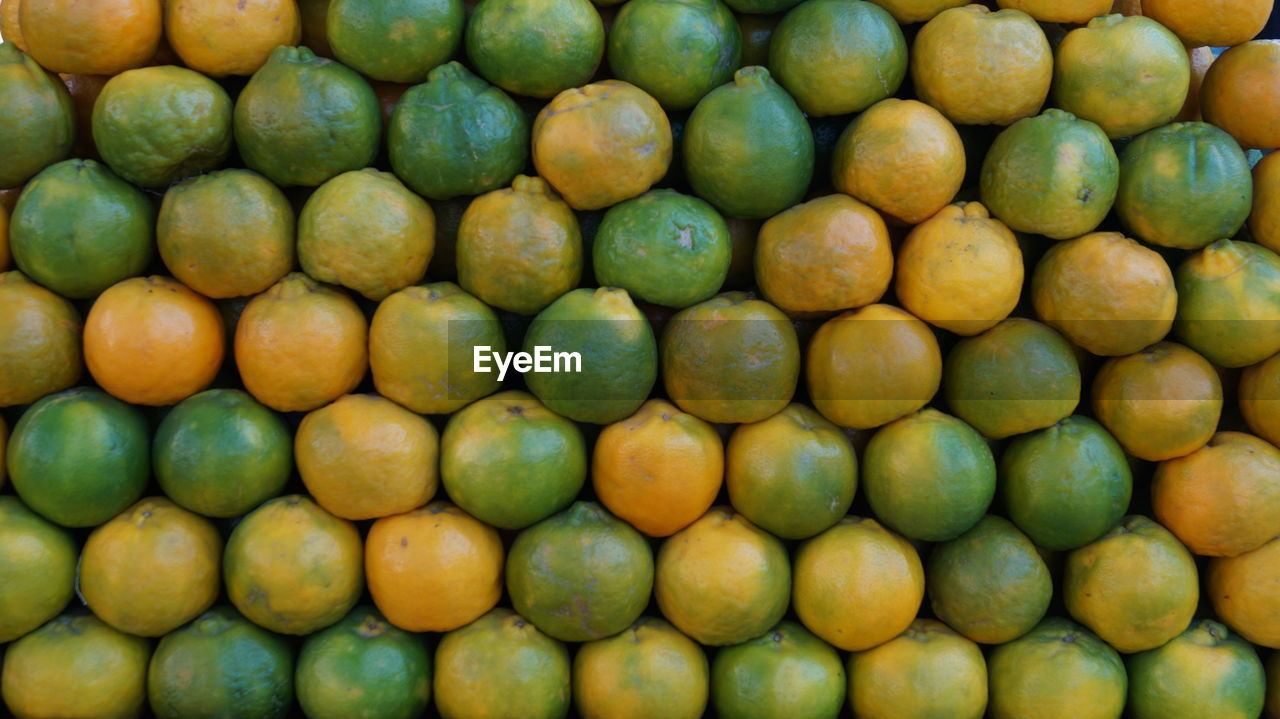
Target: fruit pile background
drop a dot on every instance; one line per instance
(930, 359)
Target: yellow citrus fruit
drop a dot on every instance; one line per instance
(1059, 670)
(909, 11)
(37, 568)
(230, 37)
(1240, 93)
(1073, 12)
(648, 670)
(10, 27)
(1202, 59)
(1264, 220)
(105, 37)
(1245, 590)
(928, 671)
(1260, 399)
(1218, 23)
(40, 335)
(364, 456)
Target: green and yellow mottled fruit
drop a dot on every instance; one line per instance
(1067, 484)
(928, 476)
(990, 583)
(40, 345)
(79, 457)
(1229, 303)
(292, 567)
(500, 665)
(836, 57)
(1127, 74)
(581, 574)
(510, 461)
(1053, 174)
(647, 670)
(156, 125)
(730, 359)
(303, 119)
(220, 453)
(364, 668)
(675, 50)
(1260, 399)
(617, 356)
(78, 229)
(1184, 185)
(928, 671)
(457, 135)
(399, 41)
(535, 47)
(221, 665)
(38, 127)
(1059, 670)
(1204, 672)
(785, 672)
(37, 569)
(747, 147)
(1016, 377)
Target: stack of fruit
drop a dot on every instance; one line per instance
(825, 308)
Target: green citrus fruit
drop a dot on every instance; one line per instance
(398, 41)
(39, 127)
(1204, 672)
(675, 50)
(37, 569)
(1229, 303)
(1059, 670)
(786, 671)
(535, 47)
(40, 345)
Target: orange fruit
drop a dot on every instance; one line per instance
(648, 670)
(150, 340)
(230, 37)
(1245, 590)
(1223, 499)
(1075, 12)
(1219, 23)
(1240, 94)
(10, 27)
(39, 341)
(300, 345)
(104, 37)
(364, 456)
(927, 671)
(659, 469)
(1260, 399)
(904, 11)
(1264, 220)
(433, 569)
(1202, 59)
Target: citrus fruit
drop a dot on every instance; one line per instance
(366, 231)
(1264, 219)
(581, 574)
(747, 148)
(292, 567)
(1127, 74)
(501, 665)
(364, 456)
(902, 157)
(79, 457)
(1202, 58)
(395, 41)
(675, 51)
(1221, 500)
(1053, 174)
(99, 38)
(980, 67)
(850, 382)
(649, 669)
(300, 345)
(1016, 377)
(1160, 403)
(1239, 93)
(152, 341)
(228, 233)
(1059, 670)
(76, 666)
(928, 476)
(510, 461)
(1049, 11)
(913, 11)
(838, 56)
(1205, 671)
(1106, 293)
(793, 474)
(43, 132)
(9, 25)
(1223, 23)
(519, 248)
(731, 358)
(663, 247)
(405, 337)
(825, 255)
(221, 664)
(223, 38)
(303, 119)
(433, 569)
(1229, 303)
(1136, 586)
(857, 585)
(1243, 590)
(535, 48)
(722, 580)
(760, 7)
(363, 668)
(78, 229)
(37, 569)
(926, 671)
(784, 672)
(39, 341)
(1184, 185)
(456, 135)
(1260, 399)
(659, 469)
(614, 362)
